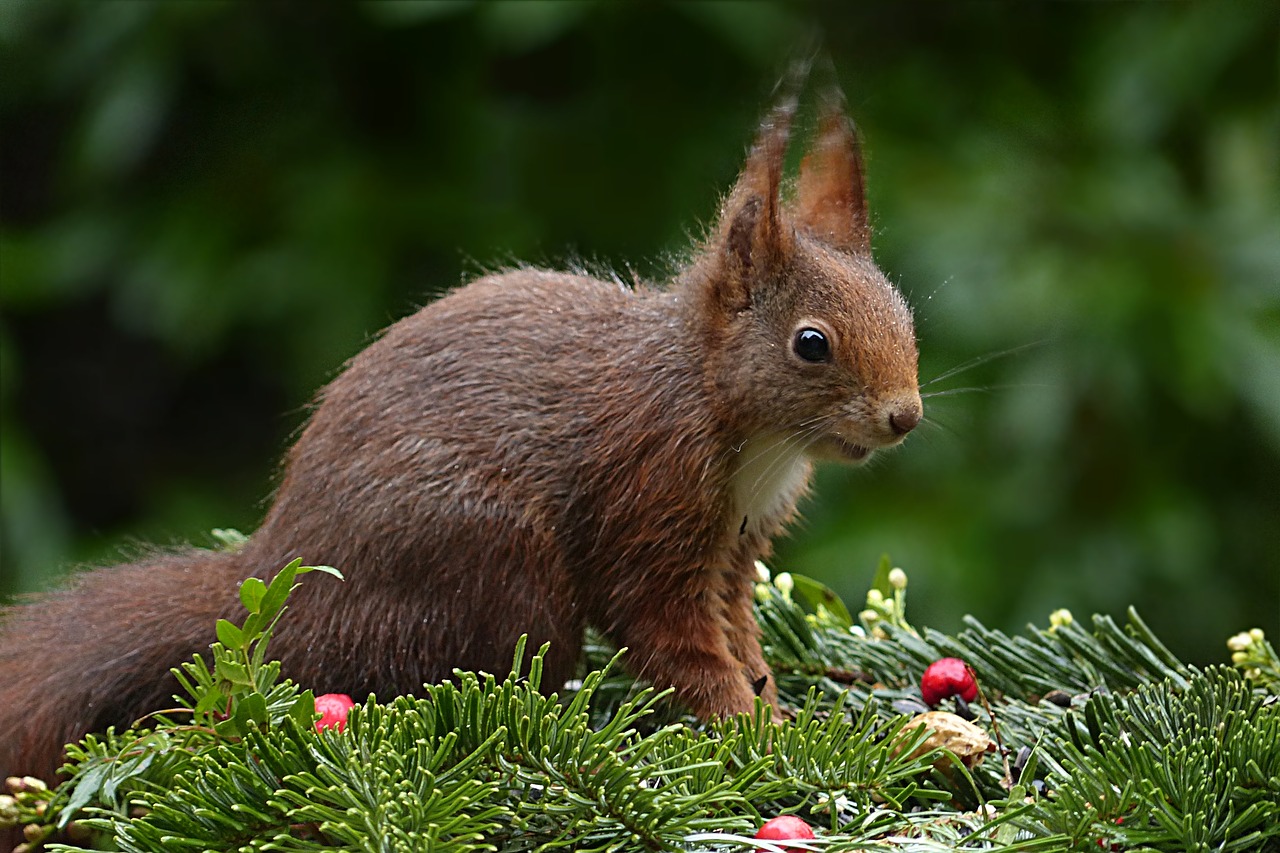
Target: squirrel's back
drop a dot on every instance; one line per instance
(521, 438)
(441, 471)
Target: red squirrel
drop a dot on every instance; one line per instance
(535, 452)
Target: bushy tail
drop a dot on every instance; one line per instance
(98, 652)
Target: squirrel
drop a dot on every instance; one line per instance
(534, 453)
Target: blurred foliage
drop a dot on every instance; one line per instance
(208, 206)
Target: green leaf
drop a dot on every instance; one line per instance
(229, 539)
(278, 592)
(303, 710)
(251, 708)
(253, 625)
(233, 671)
(229, 635)
(821, 597)
(212, 700)
(251, 593)
(328, 570)
(228, 728)
(881, 579)
(83, 792)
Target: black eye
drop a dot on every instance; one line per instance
(811, 345)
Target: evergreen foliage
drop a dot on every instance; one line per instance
(1200, 763)
(1107, 741)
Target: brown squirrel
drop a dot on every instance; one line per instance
(535, 452)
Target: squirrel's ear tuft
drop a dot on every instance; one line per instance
(831, 200)
(752, 237)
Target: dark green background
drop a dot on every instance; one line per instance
(207, 207)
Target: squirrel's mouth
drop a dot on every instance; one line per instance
(833, 448)
(852, 452)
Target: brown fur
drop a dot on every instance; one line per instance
(535, 452)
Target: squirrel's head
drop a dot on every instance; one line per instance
(807, 339)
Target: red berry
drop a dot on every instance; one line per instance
(333, 708)
(947, 677)
(784, 828)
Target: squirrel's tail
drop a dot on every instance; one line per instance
(98, 652)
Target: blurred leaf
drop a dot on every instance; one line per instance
(821, 598)
(229, 634)
(252, 591)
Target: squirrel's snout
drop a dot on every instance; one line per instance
(904, 416)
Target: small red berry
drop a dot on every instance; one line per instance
(333, 708)
(947, 677)
(784, 828)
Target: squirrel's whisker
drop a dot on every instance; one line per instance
(978, 361)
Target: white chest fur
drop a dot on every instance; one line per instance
(772, 473)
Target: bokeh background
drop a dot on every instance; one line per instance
(207, 207)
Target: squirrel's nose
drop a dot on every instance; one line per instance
(905, 417)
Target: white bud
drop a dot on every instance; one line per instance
(784, 583)
(762, 572)
(8, 807)
(1257, 635)
(875, 598)
(1060, 618)
(869, 616)
(1240, 642)
(898, 579)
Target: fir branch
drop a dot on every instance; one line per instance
(1147, 752)
(1176, 765)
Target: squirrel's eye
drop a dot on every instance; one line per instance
(811, 345)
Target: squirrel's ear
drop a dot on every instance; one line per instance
(830, 199)
(752, 236)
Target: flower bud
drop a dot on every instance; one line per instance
(31, 783)
(1240, 642)
(875, 598)
(898, 579)
(784, 583)
(1257, 635)
(762, 572)
(1061, 618)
